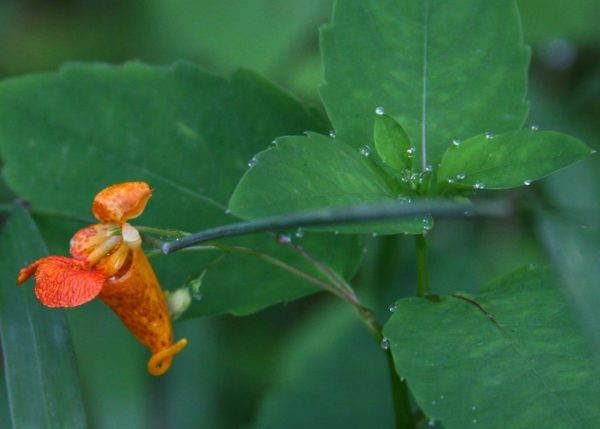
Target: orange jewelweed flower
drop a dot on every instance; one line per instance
(109, 262)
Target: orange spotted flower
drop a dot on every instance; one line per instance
(109, 262)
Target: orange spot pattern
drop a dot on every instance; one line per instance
(118, 203)
(104, 265)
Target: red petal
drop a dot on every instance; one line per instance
(63, 282)
(120, 202)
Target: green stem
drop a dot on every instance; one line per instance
(342, 215)
(422, 273)
(400, 396)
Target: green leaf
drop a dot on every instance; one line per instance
(333, 373)
(509, 160)
(64, 136)
(40, 368)
(444, 70)
(302, 173)
(575, 251)
(510, 356)
(392, 143)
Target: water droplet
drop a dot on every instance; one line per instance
(299, 233)
(489, 135)
(393, 307)
(284, 238)
(535, 127)
(461, 176)
(227, 211)
(379, 110)
(385, 344)
(274, 143)
(456, 142)
(252, 162)
(198, 296)
(479, 185)
(433, 402)
(474, 421)
(442, 396)
(527, 182)
(473, 407)
(374, 235)
(451, 180)
(410, 152)
(431, 423)
(365, 150)
(332, 134)
(429, 168)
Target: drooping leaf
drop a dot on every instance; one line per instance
(333, 373)
(392, 143)
(445, 70)
(509, 160)
(302, 173)
(510, 356)
(64, 136)
(39, 365)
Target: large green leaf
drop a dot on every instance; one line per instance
(302, 173)
(509, 357)
(332, 373)
(509, 160)
(39, 364)
(575, 251)
(64, 136)
(445, 70)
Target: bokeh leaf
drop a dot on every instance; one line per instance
(189, 134)
(445, 70)
(509, 160)
(302, 173)
(39, 364)
(510, 357)
(333, 373)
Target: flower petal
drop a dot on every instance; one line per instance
(136, 297)
(87, 240)
(63, 282)
(121, 202)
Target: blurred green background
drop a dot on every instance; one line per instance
(307, 362)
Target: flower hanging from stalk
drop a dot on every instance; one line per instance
(108, 261)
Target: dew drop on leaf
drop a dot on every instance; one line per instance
(365, 150)
(385, 344)
(379, 110)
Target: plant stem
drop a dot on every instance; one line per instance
(422, 273)
(402, 409)
(341, 216)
